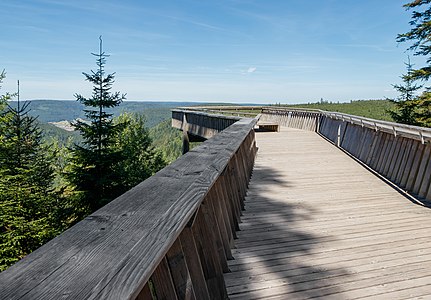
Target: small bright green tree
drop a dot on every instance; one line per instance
(422, 114)
(93, 162)
(27, 199)
(133, 141)
(405, 105)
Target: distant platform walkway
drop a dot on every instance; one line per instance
(318, 224)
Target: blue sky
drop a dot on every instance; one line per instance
(261, 51)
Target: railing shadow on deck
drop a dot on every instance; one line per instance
(280, 248)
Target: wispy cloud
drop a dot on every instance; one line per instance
(368, 46)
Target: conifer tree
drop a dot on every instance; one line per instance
(93, 162)
(406, 104)
(420, 35)
(27, 200)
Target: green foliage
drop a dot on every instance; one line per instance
(167, 140)
(141, 160)
(417, 111)
(422, 111)
(405, 105)
(420, 35)
(54, 134)
(6, 97)
(27, 199)
(93, 162)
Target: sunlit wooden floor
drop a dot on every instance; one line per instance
(318, 224)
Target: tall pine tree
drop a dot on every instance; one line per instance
(27, 200)
(93, 163)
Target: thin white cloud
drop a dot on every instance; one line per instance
(251, 70)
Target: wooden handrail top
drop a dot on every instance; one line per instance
(112, 253)
(415, 132)
(205, 113)
(412, 131)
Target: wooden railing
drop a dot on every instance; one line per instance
(201, 123)
(400, 153)
(168, 238)
(293, 118)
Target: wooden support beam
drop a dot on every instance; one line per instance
(163, 284)
(145, 293)
(209, 257)
(186, 142)
(180, 273)
(194, 264)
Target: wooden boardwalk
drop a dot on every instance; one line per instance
(318, 224)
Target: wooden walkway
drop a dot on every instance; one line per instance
(318, 224)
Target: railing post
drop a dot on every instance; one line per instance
(186, 141)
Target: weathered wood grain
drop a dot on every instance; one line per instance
(194, 264)
(317, 224)
(180, 272)
(163, 283)
(113, 252)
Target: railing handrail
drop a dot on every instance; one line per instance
(396, 128)
(411, 130)
(113, 252)
(206, 113)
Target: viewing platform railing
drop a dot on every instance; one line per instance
(170, 236)
(399, 153)
(167, 238)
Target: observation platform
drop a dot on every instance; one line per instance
(325, 215)
(318, 224)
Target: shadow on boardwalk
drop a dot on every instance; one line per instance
(276, 254)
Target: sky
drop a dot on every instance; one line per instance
(238, 51)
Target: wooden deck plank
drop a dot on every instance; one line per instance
(317, 224)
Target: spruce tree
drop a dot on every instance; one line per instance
(94, 160)
(420, 35)
(406, 104)
(27, 199)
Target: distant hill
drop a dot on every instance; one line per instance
(61, 110)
